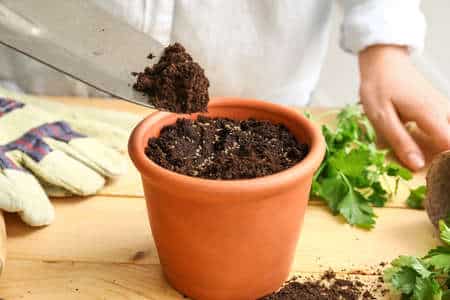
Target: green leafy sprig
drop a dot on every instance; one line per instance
(350, 178)
(425, 278)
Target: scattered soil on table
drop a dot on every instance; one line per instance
(220, 148)
(327, 287)
(176, 83)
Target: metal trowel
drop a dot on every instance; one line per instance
(79, 39)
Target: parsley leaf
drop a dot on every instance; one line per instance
(445, 232)
(350, 177)
(427, 289)
(438, 259)
(426, 278)
(352, 163)
(356, 210)
(416, 197)
(412, 262)
(394, 169)
(404, 280)
(333, 190)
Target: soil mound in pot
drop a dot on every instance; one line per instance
(176, 83)
(221, 148)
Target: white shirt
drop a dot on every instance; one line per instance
(266, 49)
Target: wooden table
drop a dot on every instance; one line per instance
(101, 248)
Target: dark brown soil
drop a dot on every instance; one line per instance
(176, 83)
(219, 148)
(328, 287)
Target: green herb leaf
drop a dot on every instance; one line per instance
(423, 279)
(404, 280)
(379, 196)
(394, 169)
(427, 289)
(445, 232)
(438, 259)
(349, 179)
(350, 164)
(416, 197)
(356, 210)
(412, 262)
(333, 190)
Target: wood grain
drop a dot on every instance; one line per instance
(75, 280)
(2, 243)
(116, 230)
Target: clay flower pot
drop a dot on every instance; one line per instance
(227, 239)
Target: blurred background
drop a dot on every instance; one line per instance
(340, 80)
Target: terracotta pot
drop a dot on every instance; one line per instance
(227, 239)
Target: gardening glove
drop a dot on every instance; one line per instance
(88, 159)
(110, 127)
(62, 158)
(19, 190)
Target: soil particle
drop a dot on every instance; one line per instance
(138, 255)
(328, 275)
(220, 148)
(176, 83)
(328, 287)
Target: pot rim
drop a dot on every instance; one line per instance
(292, 175)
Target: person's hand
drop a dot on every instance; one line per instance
(392, 93)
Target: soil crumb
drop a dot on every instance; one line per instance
(221, 148)
(175, 83)
(328, 287)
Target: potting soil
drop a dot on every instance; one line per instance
(176, 83)
(220, 148)
(328, 287)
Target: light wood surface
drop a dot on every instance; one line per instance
(2, 242)
(101, 247)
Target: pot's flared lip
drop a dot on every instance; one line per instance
(149, 169)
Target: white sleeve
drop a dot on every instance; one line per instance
(370, 22)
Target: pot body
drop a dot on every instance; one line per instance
(227, 239)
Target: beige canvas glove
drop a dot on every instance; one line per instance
(110, 127)
(60, 157)
(21, 192)
(87, 159)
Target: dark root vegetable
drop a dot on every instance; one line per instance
(438, 188)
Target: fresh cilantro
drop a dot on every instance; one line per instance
(394, 169)
(426, 278)
(427, 289)
(416, 197)
(404, 280)
(438, 259)
(352, 163)
(445, 232)
(414, 263)
(333, 190)
(356, 210)
(350, 177)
